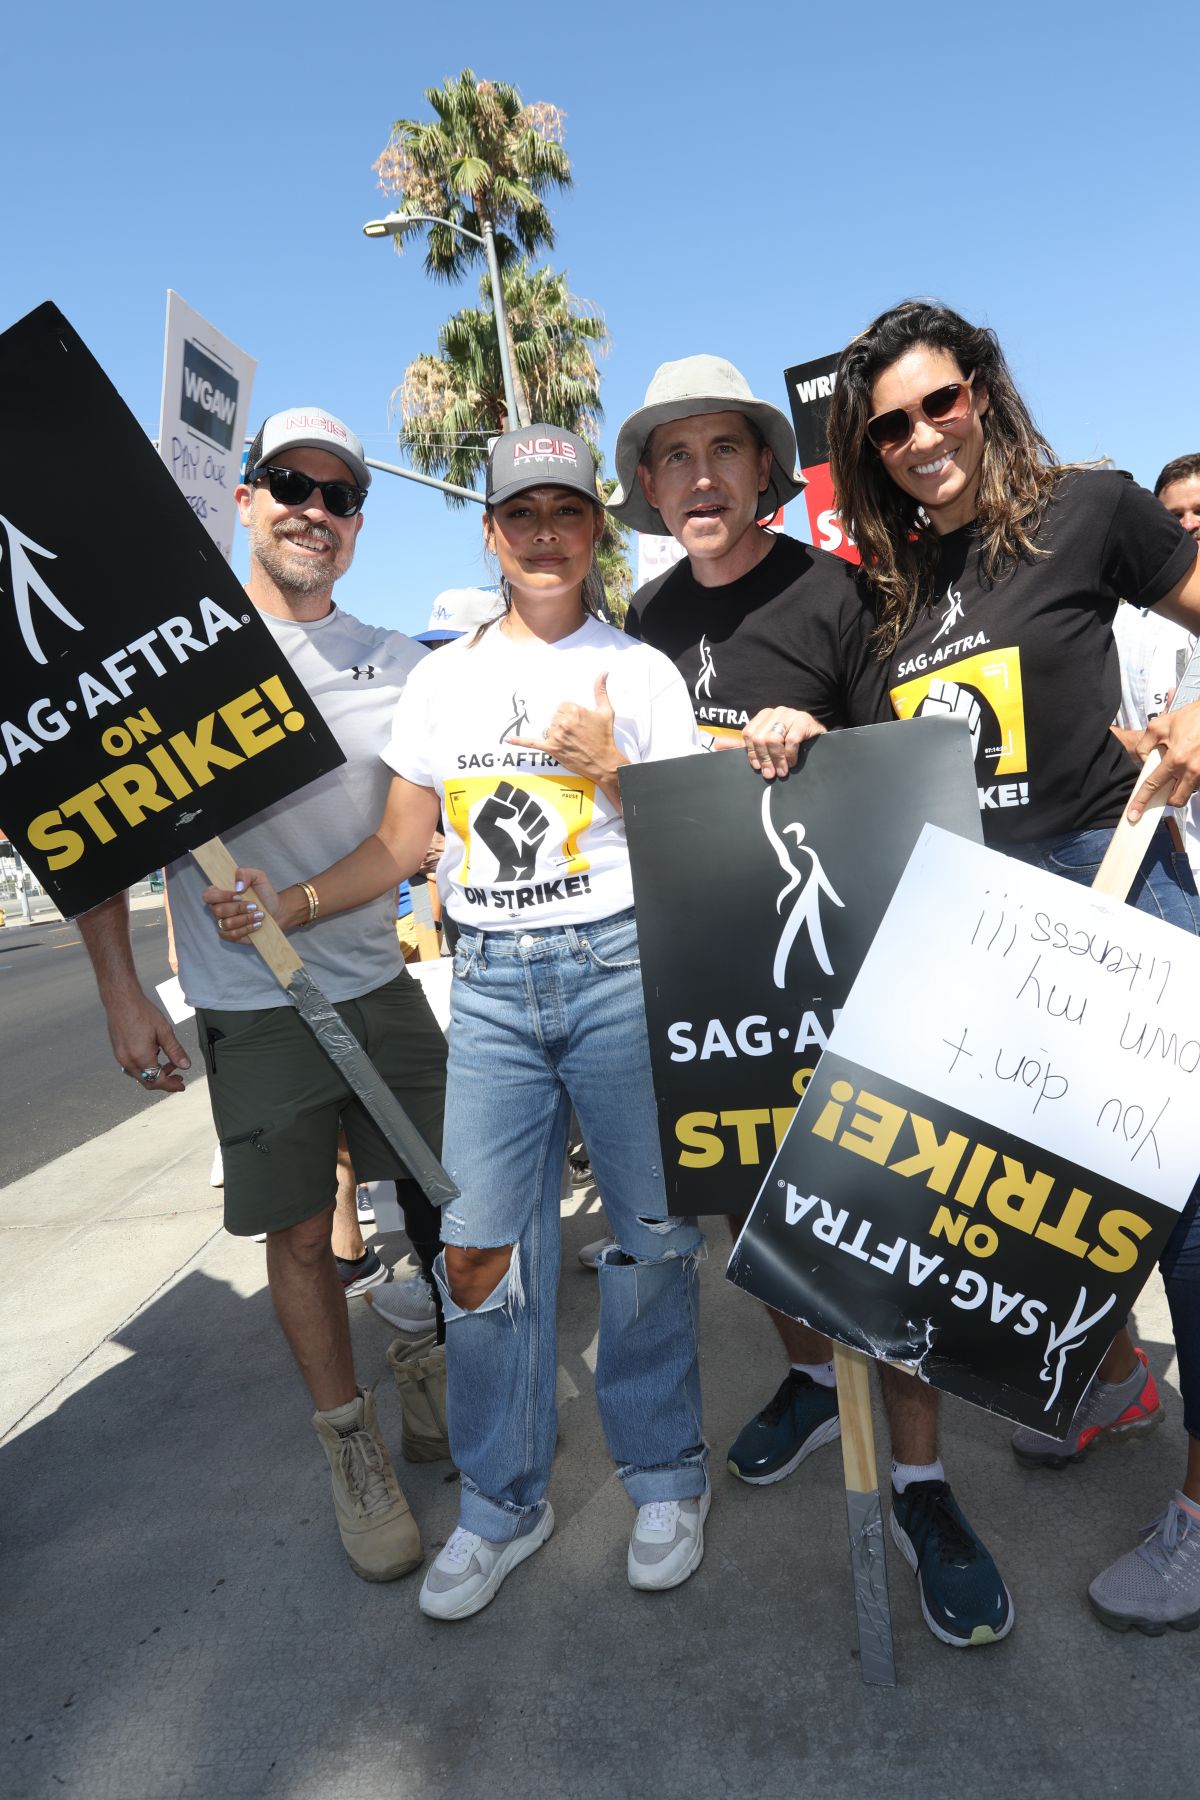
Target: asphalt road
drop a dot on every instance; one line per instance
(59, 1084)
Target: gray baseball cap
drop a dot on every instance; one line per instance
(684, 390)
(539, 456)
(308, 428)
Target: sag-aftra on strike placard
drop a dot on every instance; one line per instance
(146, 706)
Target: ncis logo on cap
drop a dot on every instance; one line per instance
(539, 455)
(543, 449)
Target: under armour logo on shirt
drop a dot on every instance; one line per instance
(367, 671)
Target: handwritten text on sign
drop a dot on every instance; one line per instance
(1067, 1018)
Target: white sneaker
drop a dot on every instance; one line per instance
(406, 1305)
(365, 1201)
(592, 1255)
(216, 1175)
(667, 1541)
(468, 1573)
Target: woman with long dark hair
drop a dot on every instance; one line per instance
(995, 572)
(516, 735)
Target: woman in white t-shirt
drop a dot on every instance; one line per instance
(516, 735)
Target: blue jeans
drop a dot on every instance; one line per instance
(1166, 888)
(540, 1021)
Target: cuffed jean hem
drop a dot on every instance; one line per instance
(495, 1520)
(686, 1479)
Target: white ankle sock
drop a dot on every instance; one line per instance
(903, 1473)
(346, 1418)
(821, 1373)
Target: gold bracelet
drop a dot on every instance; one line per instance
(314, 905)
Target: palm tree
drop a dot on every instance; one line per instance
(451, 403)
(484, 156)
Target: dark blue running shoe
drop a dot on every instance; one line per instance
(962, 1596)
(800, 1417)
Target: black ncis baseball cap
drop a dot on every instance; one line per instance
(540, 456)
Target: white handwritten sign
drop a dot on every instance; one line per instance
(993, 1149)
(205, 406)
(1068, 1018)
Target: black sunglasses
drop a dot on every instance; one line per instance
(290, 487)
(945, 406)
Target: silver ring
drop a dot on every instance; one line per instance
(148, 1074)
(779, 729)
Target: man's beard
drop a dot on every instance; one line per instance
(298, 574)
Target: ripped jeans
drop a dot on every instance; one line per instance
(543, 1020)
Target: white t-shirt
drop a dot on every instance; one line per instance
(527, 840)
(355, 674)
(1154, 653)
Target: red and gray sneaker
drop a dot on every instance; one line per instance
(1109, 1409)
(360, 1273)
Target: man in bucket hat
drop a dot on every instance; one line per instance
(752, 619)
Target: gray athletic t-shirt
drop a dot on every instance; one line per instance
(355, 674)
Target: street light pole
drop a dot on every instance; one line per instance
(510, 392)
(395, 224)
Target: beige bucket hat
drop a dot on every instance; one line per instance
(682, 390)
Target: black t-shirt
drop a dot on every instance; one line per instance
(792, 632)
(1030, 661)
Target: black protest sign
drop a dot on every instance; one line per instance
(810, 391)
(1001, 1135)
(756, 902)
(146, 705)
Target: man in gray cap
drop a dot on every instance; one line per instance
(277, 1101)
(751, 619)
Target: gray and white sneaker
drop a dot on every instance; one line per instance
(364, 1201)
(1157, 1584)
(467, 1574)
(406, 1305)
(592, 1255)
(667, 1541)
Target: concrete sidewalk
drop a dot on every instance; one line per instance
(178, 1618)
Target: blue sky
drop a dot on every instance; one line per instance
(757, 182)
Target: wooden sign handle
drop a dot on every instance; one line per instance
(868, 1564)
(268, 940)
(1126, 852)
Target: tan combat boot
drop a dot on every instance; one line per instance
(419, 1366)
(378, 1531)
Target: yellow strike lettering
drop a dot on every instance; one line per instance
(252, 727)
(1064, 1235)
(1016, 1198)
(947, 1224)
(85, 802)
(169, 769)
(46, 832)
(940, 1159)
(135, 791)
(830, 1117)
(974, 1175)
(873, 1130)
(781, 1118)
(702, 1147)
(1119, 1229)
(746, 1121)
(199, 755)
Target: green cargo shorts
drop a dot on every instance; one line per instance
(278, 1102)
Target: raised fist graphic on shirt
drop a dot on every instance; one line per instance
(512, 825)
(957, 702)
